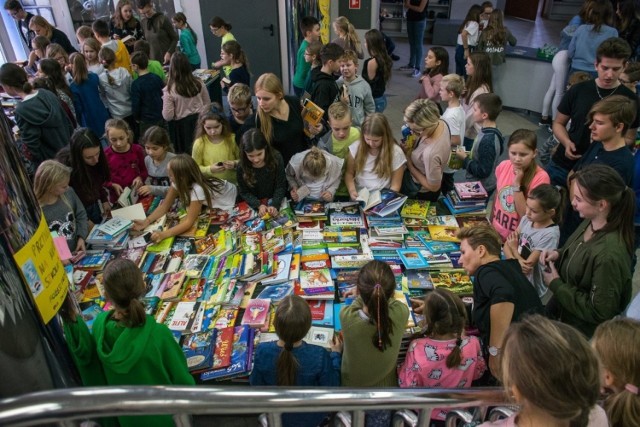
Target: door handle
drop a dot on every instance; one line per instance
(270, 28)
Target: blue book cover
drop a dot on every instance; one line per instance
(336, 316)
(240, 356)
(198, 350)
(437, 247)
(412, 258)
(276, 293)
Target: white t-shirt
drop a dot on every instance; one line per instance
(473, 28)
(370, 180)
(226, 200)
(455, 118)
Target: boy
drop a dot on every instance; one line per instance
(355, 91)
(82, 33)
(146, 94)
(239, 98)
(155, 67)
(342, 135)
(310, 27)
(488, 145)
(451, 89)
(325, 89)
(101, 33)
(22, 18)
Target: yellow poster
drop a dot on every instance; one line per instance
(43, 271)
(325, 24)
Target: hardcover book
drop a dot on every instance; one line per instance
(223, 348)
(457, 281)
(242, 351)
(415, 209)
(470, 190)
(256, 312)
(444, 233)
(198, 350)
(412, 259)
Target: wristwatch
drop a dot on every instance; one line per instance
(519, 189)
(494, 351)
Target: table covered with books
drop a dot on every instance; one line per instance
(217, 285)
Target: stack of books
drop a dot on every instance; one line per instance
(467, 198)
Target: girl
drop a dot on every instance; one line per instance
(467, 38)
(377, 69)
(442, 347)
(184, 97)
(261, 179)
(494, 38)
(221, 29)
(312, 55)
(57, 53)
(416, 24)
(589, 35)
(316, 170)
(90, 175)
(590, 276)
(515, 178)
(233, 53)
(290, 361)
(538, 230)
(436, 65)
(60, 205)
(375, 161)
(128, 341)
(38, 52)
(194, 191)
(115, 84)
(215, 149)
(85, 88)
(126, 159)
(41, 27)
(90, 49)
(157, 144)
(429, 155)
(372, 328)
(124, 24)
(51, 69)
(188, 39)
(551, 388)
(43, 123)
(347, 37)
(479, 80)
(617, 343)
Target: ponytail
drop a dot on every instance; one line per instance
(378, 307)
(124, 287)
(455, 357)
(287, 366)
(292, 322)
(134, 315)
(623, 408)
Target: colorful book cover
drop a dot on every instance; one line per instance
(198, 350)
(283, 267)
(94, 260)
(256, 312)
(449, 220)
(115, 226)
(346, 215)
(415, 209)
(294, 271)
(226, 318)
(240, 357)
(134, 255)
(184, 244)
(194, 264)
(223, 348)
(276, 293)
(251, 242)
(184, 314)
(193, 289)
(351, 261)
(161, 246)
(470, 190)
(310, 208)
(311, 116)
(153, 283)
(173, 286)
(441, 247)
(320, 335)
(418, 279)
(412, 259)
(202, 227)
(472, 221)
(321, 312)
(457, 281)
(320, 278)
(444, 233)
(390, 202)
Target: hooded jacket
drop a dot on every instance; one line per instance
(44, 125)
(324, 92)
(115, 87)
(361, 100)
(160, 34)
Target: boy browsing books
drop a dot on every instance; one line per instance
(146, 94)
(239, 98)
(355, 91)
(451, 88)
(481, 163)
(325, 90)
(154, 67)
(310, 27)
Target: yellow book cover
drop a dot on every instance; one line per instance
(415, 209)
(443, 233)
(311, 115)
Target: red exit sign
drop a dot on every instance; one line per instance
(354, 4)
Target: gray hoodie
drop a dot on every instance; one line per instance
(360, 99)
(328, 182)
(115, 90)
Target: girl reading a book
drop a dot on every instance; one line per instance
(442, 347)
(126, 159)
(515, 178)
(375, 161)
(261, 179)
(215, 149)
(61, 207)
(194, 191)
(372, 328)
(315, 173)
(133, 348)
(290, 361)
(159, 150)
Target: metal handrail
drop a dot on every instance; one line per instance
(63, 406)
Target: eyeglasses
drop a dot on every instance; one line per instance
(214, 30)
(240, 110)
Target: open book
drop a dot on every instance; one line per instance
(381, 202)
(128, 197)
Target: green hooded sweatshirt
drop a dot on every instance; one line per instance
(144, 355)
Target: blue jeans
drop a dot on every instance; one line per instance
(557, 175)
(460, 61)
(381, 103)
(415, 32)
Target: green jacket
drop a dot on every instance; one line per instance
(595, 279)
(145, 355)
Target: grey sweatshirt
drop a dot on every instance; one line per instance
(68, 218)
(360, 99)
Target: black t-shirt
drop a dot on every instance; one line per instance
(377, 84)
(412, 15)
(620, 159)
(576, 104)
(497, 282)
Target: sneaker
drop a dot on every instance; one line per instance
(416, 73)
(545, 122)
(406, 68)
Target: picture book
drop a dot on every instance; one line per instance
(417, 279)
(251, 242)
(325, 293)
(345, 214)
(173, 286)
(161, 246)
(311, 116)
(316, 279)
(94, 260)
(436, 260)
(242, 350)
(441, 247)
(342, 237)
(222, 349)
(134, 255)
(321, 312)
(294, 270)
(415, 209)
(90, 313)
(273, 240)
(115, 226)
(475, 210)
(276, 293)
(448, 220)
(153, 283)
(470, 190)
(226, 318)
(193, 289)
(198, 350)
(184, 244)
(194, 264)
(343, 250)
(472, 221)
(457, 281)
(444, 233)
(351, 261)
(412, 259)
(310, 208)
(183, 315)
(128, 197)
(256, 312)
(282, 269)
(389, 202)
(320, 335)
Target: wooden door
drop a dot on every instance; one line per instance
(524, 9)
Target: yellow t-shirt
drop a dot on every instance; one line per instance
(341, 149)
(227, 37)
(206, 153)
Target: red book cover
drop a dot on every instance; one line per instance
(318, 309)
(224, 346)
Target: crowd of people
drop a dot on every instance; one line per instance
(127, 111)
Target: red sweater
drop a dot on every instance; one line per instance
(127, 166)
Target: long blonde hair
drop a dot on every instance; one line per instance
(268, 82)
(351, 37)
(49, 174)
(376, 125)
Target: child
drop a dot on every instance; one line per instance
(312, 56)
(238, 63)
(495, 37)
(538, 230)
(467, 38)
(215, 149)
(552, 373)
(126, 159)
(38, 52)
(146, 94)
(372, 328)
(60, 205)
(82, 33)
(124, 24)
(376, 70)
(290, 361)
(194, 191)
(221, 29)
(101, 33)
(90, 49)
(318, 171)
(116, 87)
(355, 91)
(261, 179)
(51, 69)
(375, 161)
(154, 67)
(325, 90)
(440, 356)
(159, 152)
(486, 8)
(310, 28)
(239, 99)
(617, 343)
(90, 175)
(514, 179)
(188, 39)
(436, 65)
(479, 81)
(129, 341)
(451, 89)
(347, 37)
(488, 145)
(85, 87)
(57, 53)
